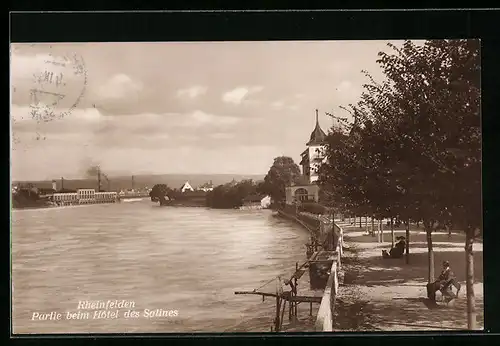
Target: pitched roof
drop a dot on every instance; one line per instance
(318, 136)
(187, 186)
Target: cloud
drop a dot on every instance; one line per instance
(60, 120)
(146, 113)
(222, 135)
(187, 137)
(120, 86)
(238, 95)
(344, 85)
(348, 91)
(278, 104)
(339, 67)
(200, 118)
(192, 92)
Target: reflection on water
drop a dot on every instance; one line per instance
(186, 259)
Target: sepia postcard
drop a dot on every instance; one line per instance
(268, 186)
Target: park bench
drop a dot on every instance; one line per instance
(448, 294)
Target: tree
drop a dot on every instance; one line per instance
(442, 77)
(283, 172)
(231, 195)
(414, 149)
(159, 192)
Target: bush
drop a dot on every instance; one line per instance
(313, 208)
(230, 195)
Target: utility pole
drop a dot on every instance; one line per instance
(132, 182)
(62, 183)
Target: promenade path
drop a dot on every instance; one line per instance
(379, 294)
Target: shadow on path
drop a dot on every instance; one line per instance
(378, 294)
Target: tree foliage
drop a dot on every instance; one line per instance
(415, 141)
(283, 172)
(414, 149)
(160, 193)
(231, 195)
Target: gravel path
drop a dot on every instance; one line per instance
(390, 295)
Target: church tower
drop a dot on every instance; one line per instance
(312, 156)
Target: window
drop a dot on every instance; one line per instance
(301, 194)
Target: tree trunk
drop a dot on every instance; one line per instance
(392, 232)
(378, 232)
(381, 230)
(366, 223)
(428, 231)
(408, 242)
(360, 225)
(373, 226)
(448, 228)
(469, 272)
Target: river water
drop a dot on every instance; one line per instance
(156, 258)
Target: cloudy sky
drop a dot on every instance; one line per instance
(133, 108)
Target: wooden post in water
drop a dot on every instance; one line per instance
(278, 308)
(277, 318)
(282, 313)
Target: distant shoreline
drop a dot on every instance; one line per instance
(32, 205)
(120, 182)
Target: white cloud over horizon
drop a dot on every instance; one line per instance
(179, 108)
(192, 92)
(120, 86)
(238, 95)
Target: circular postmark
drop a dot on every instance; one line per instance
(57, 87)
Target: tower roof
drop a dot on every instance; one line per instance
(318, 136)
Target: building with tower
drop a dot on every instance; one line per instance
(311, 158)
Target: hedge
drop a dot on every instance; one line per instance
(313, 208)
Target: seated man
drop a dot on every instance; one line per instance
(443, 284)
(397, 251)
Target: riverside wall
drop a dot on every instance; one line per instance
(320, 225)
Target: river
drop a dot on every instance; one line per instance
(156, 258)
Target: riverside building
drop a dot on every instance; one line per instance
(312, 157)
(84, 196)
